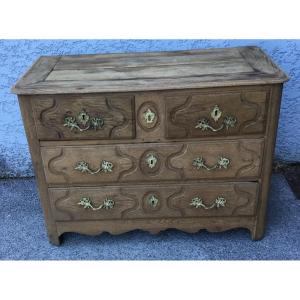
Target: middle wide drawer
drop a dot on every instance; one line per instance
(152, 162)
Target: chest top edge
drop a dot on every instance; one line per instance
(152, 71)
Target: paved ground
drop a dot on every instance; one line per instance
(23, 237)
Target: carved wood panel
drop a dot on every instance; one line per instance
(172, 201)
(116, 112)
(184, 111)
(129, 163)
(152, 162)
(244, 159)
(145, 104)
(153, 141)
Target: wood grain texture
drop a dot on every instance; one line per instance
(162, 101)
(183, 111)
(27, 115)
(174, 162)
(151, 71)
(179, 112)
(174, 201)
(274, 109)
(179, 88)
(154, 226)
(117, 112)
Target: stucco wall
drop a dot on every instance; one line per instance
(18, 55)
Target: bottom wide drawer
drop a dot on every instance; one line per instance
(154, 201)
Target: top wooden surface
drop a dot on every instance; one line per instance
(149, 71)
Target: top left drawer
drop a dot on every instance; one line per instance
(79, 117)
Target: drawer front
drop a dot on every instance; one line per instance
(186, 200)
(153, 162)
(196, 115)
(73, 117)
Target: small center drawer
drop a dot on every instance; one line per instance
(159, 201)
(94, 116)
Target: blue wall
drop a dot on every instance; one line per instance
(17, 55)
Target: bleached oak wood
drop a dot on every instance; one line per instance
(150, 71)
(179, 88)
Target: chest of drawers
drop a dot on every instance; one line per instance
(152, 141)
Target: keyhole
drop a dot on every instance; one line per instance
(153, 202)
(149, 118)
(216, 113)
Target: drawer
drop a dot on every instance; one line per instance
(74, 117)
(196, 115)
(153, 161)
(159, 201)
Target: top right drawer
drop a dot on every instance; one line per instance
(230, 113)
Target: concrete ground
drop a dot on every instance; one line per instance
(23, 236)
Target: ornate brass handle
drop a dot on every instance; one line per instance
(222, 162)
(83, 122)
(197, 202)
(228, 122)
(87, 204)
(105, 167)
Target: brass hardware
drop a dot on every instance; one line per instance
(216, 113)
(229, 122)
(149, 116)
(105, 167)
(152, 201)
(222, 162)
(197, 202)
(151, 160)
(85, 120)
(87, 204)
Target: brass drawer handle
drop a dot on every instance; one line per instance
(228, 122)
(222, 162)
(83, 122)
(87, 204)
(105, 167)
(197, 202)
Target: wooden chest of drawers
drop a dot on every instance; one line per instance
(152, 141)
